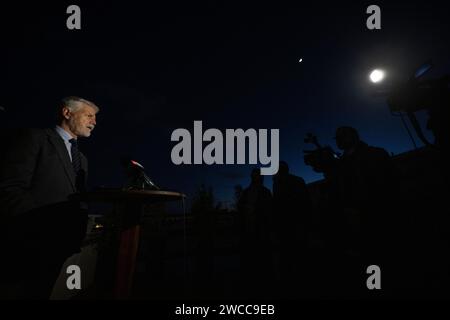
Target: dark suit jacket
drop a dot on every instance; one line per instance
(36, 171)
(36, 180)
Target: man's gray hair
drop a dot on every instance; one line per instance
(74, 103)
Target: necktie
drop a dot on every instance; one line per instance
(76, 163)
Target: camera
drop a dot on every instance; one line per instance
(417, 94)
(322, 159)
(432, 95)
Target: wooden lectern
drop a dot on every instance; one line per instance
(128, 208)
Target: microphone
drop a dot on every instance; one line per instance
(137, 176)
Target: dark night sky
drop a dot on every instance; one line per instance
(152, 70)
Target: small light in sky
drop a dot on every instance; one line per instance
(376, 75)
(300, 60)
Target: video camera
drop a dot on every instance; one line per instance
(417, 94)
(322, 159)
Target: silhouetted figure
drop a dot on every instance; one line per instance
(291, 216)
(367, 187)
(436, 99)
(254, 208)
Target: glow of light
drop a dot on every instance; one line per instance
(376, 75)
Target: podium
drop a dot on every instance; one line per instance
(127, 212)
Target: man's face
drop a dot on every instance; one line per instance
(82, 122)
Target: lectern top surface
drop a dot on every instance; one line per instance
(120, 195)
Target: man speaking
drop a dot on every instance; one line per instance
(41, 227)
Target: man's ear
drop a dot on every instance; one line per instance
(65, 113)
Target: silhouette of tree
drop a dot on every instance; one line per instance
(203, 200)
(238, 189)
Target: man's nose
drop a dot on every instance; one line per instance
(94, 122)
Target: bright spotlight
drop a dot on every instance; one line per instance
(376, 75)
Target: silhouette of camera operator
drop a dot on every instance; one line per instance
(366, 185)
